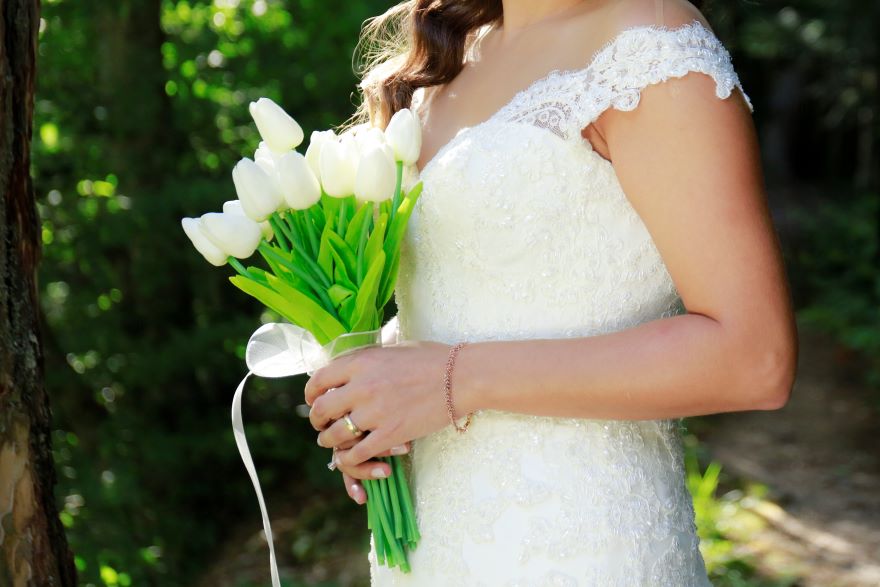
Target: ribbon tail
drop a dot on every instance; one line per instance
(238, 429)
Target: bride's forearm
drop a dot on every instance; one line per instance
(684, 365)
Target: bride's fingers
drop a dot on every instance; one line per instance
(332, 405)
(338, 433)
(393, 451)
(355, 489)
(364, 470)
(347, 444)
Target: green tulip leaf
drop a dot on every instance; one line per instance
(317, 214)
(389, 279)
(340, 278)
(347, 309)
(354, 229)
(343, 254)
(329, 207)
(293, 312)
(325, 252)
(285, 273)
(365, 311)
(307, 307)
(400, 220)
(339, 294)
(377, 238)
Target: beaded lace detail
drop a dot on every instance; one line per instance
(523, 231)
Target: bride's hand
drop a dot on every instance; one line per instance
(351, 476)
(394, 394)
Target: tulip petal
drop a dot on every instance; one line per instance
(280, 131)
(299, 186)
(338, 167)
(404, 134)
(376, 174)
(212, 253)
(258, 192)
(237, 235)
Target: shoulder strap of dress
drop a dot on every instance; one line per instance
(650, 54)
(658, 12)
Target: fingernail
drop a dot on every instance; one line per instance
(379, 473)
(319, 442)
(398, 450)
(356, 493)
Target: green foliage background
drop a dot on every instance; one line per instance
(141, 112)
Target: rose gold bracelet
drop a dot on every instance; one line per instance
(450, 363)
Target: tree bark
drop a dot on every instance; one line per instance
(33, 546)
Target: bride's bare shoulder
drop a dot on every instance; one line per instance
(668, 13)
(626, 14)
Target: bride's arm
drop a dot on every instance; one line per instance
(689, 163)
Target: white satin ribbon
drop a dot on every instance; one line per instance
(280, 350)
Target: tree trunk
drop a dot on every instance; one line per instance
(33, 547)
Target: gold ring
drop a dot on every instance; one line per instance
(351, 426)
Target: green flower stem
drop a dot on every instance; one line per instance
(362, 244)
(397, 468)
(293, 231)
(409, 536)
(255, 274)
(382, 508)
(295, 220)
(395, 505)
(376, 524)
(316, 271)
(258, 274)
(319, 291)
(383, 533)
(340, 225)
(311, 230)
(395, 200)
(383, 486)
(240, 268)
(290, 229)
(279, 235)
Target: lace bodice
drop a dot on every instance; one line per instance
(521, 219)
(523, 231)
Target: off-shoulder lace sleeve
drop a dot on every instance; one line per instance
(645, 55)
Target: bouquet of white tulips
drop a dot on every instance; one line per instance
(328, 225)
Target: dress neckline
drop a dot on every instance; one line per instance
(550, 76)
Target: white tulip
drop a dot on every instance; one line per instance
(237, 235)
(404, 134)
(268, 160)
(313, 154)
(234, 207)
(211, 252)
(258, 191)
(376, 174)
(339, 163)
(266, 157)
(299, 186)
(368, 137)
(280, 131)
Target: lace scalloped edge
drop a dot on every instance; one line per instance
(689, 47)
(630, 100)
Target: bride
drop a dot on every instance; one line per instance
(591, 260)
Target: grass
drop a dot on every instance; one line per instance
(725, 522)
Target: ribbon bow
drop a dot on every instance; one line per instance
(281, 350)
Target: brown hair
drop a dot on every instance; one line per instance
(416, 43)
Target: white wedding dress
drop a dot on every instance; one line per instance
(523, 231)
